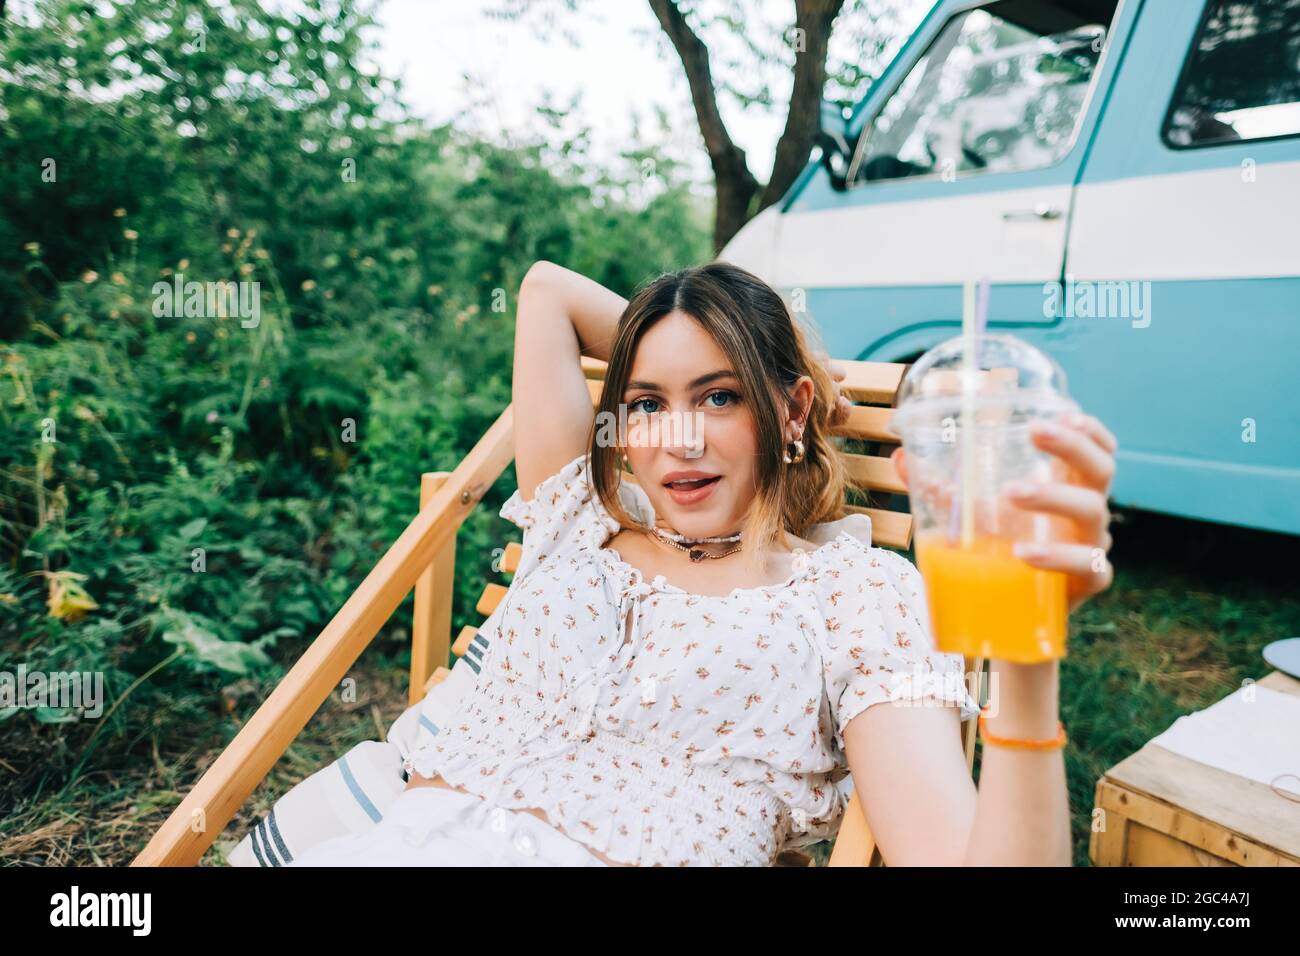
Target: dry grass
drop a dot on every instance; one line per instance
(107, 814)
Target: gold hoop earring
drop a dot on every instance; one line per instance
(798, 453)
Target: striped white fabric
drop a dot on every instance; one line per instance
(353, 793)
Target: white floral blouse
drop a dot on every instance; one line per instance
(713, 734)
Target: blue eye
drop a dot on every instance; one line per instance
(639, 404)
(635, 406)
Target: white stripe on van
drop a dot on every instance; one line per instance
(1237, 222)
(947, 240)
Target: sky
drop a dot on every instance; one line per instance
(487, 75)
(452, 58)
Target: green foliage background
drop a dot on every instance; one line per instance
(218, 144)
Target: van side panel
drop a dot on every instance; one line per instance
(1202, 389)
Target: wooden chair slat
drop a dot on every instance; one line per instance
(492, 595)
(869, 423)
(890, 529)
(510, 560)
(874, 473)
(436, 678)
(463, 640)
(855, 845)
(873, 382)
(431, 623)
(949, 380)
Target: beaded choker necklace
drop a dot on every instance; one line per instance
(682, 543)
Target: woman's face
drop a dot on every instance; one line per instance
(686, 418)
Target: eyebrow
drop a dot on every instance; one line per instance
(702, 380)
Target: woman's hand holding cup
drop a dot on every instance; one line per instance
(1086, 448)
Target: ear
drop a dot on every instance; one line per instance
(801, 398)
(900, 463)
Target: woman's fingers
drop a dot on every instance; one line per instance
(1093, 427)
(1087, 563)
(899, 458)
(843, 407)
(1078, 449)
(1085, 506)
(836, 370)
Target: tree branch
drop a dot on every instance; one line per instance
(814, 19)
(735, 184)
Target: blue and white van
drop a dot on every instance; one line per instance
(1127, 175)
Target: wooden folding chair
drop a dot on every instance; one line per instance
(423, 557)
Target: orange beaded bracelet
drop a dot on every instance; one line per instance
(1015, 743)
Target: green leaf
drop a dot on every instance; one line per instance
(193, 528)
(232, 657)
(56, 715)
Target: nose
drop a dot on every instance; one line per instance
(686, 437)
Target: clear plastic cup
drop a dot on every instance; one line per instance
(984, 601)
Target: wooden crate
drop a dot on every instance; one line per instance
(1162, 809)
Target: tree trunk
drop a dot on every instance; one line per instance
(734, 185)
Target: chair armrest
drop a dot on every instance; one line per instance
(222, 790)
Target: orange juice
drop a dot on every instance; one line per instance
(986, 602)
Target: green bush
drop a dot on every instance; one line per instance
(185, 502)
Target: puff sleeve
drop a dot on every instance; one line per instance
(878, 643)
(561, 516)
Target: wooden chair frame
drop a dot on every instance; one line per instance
(423, 558)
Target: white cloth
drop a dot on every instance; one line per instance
(430, 826)
(1249, 733)
(713, 735)
(354, 792)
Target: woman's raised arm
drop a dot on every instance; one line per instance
(917, 796)
(561, 316)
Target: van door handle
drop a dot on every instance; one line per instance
(1040, 211)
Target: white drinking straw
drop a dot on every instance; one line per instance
(968, 384)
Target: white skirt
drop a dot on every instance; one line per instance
(432, 826)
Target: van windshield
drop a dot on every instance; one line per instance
(1000, 88)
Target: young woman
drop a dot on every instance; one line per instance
(687, 665)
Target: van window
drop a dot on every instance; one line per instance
(1002, 87)
(1241, 80)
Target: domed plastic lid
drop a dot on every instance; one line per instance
(1013, 382)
